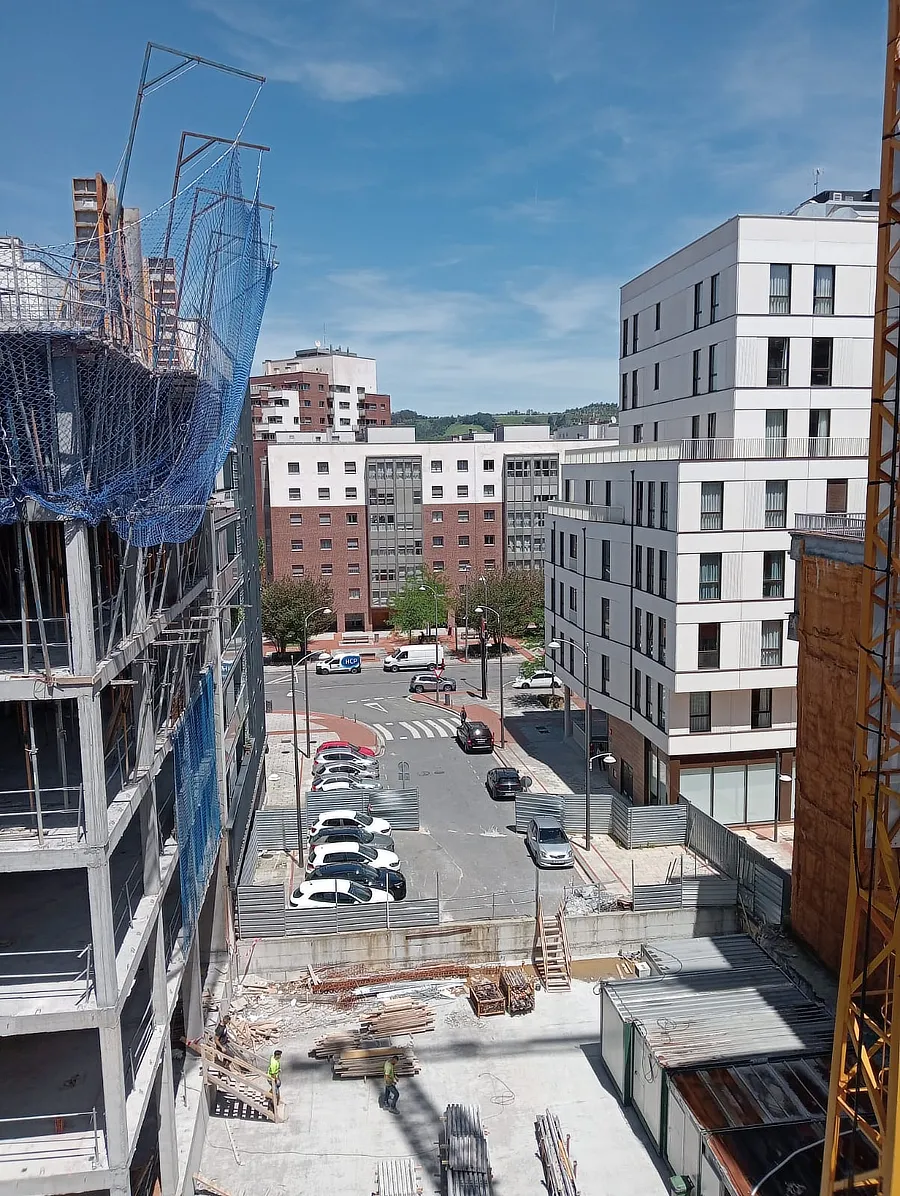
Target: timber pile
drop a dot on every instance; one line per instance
(518, 990)
(559, 1170)
(344, 1040)
(252, 1034)
(402, 1015)
(368, 1062)
(486, 998)
(346, 980)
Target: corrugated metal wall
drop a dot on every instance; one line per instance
(685, 894)
(399, 806)
(386, 915)
(568, 807)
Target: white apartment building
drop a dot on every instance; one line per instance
(331, 383)
(745, 375)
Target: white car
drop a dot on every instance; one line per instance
(352, 853)
(354, 772)
(313, 894)
(378, 826)
(342, 784)
(539, 679)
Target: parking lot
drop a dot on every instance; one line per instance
(467, 844)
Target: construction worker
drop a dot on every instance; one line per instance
(223, 1037)
(391, 1091)
(274, 1073)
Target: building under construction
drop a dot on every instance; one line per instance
(131, 702)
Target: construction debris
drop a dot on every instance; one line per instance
(559, 1170)
(348, 982)
(252, 1034)
(465, 1164)
(397, 1177)
(517, 989)
(368, 1062)
(486, 998)
(201, 1184)
(400, 1015)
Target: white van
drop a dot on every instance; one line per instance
(416, 656)
(345, 663)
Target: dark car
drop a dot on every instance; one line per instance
(375, 878)
(475, 737)
(350, 834)
(505, 783)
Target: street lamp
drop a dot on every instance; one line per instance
(433, 591)
(555, 646)
(483, 638)
(465, 570)
(482, 610)
(323, 610)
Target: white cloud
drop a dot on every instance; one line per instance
(568, 305)
(534, 211)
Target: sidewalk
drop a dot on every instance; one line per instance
(280, 789)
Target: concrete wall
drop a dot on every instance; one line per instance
(829, 598)
(476, 942)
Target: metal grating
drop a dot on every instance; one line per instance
(397, 1177)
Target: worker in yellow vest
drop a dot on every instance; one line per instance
(391, 1091)
(274, 1073)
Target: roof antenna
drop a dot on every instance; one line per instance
(816, 181)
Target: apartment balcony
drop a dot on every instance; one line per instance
(750, 448)
(587, 514)
(852, 527)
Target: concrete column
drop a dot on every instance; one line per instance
(113, 1067)
(93, 775)
(214, 656)
(81, 599)
(150, 840)
(102, 935)
(192, 993)
(168, 1140)
(567, 712)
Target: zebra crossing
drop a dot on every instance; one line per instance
(422, 728)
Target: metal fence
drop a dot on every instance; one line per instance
(483, 907)
(399, 806)
(262, 913)
(629, 825)
(568, 807)
(67, 972)
(276, 829)
(686, 893)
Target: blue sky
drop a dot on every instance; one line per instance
(461, 185)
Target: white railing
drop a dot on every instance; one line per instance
(588, 514)
(852, 526)
(51, 1126)
(726, 449)
(26, 813)
(51, 971)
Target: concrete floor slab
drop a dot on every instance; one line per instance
(335, 1132)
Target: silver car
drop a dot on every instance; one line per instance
(548, 843)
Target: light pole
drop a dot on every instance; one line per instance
(555, 646)
(323, 610)
(465, 569)
(433, 592)
(483, 610)
(483, 638)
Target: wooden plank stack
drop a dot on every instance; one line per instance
(344, 1040)
(402, 1015)
(358, 1063)
(518, 990)
(553, 1149)
(486, 998)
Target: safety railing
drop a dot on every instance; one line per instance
(118, 764)
(22, 644)
(130, 894)
(852, 526)
(33, 813)
(133, 1054)
(588, 514)
(51, 973)
(172, 932)
(747, 448)
(67, 1135)
(479, 907)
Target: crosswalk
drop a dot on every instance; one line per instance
(423, 728)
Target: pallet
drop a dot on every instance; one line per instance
(486, 998)
(518, 990)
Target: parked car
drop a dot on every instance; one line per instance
(342, 784)
(345, 746)
(548, 843)
(375, 878)
(505, 783)
(346, 662)
(350, 834)
(313, 893)
(475, 737)
(352, 853)
(431, 682)
(539, 679)
(415, 656)
(378, 826)
(353, 768)
(343, 756)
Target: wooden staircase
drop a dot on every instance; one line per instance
(550, 954)
(239, 1080)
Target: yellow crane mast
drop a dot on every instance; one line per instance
(862, 1145)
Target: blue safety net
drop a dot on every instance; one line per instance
(198, 817)
(124, 359)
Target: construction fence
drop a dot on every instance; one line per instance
(611, 814)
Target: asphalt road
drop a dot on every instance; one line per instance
(468, 842)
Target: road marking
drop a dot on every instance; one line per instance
(442, 732)
(425, 729)
(451, 726)
(382, 731)
(412, 730)
(376, 706)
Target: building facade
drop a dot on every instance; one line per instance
(745, 376)
(369, 514)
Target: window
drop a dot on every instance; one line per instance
(294, 494)
(819, 429)
(489, 540)
(711, 426)
(437, 491)
(343, 406)
(605, 553)
(779, 290)
(462, 491)
(562, 597)
(573, 599)
(293, 466)
(663, 573)
(353, 593)
(604, 618)
(296, 518)
(462, 465)
(836, 496)
(708, 641)
(604, 674)
(488, 516)
(773, 575)
(325, 518)
(661, 640)
(567, 490)
(588, 492)
(695, 373)
(350, 492)
(638, 567)
(714, 299)
(464, 566)
(352, 517)
(297, 571)
(772, 635)
(695, 427)
(823, 291)
(462, 541)
(624, 392)
(661, 706)
(490, 563)
(634, 332)
(437, 541)
(322, 467)
(712, 377)
(648, 699)
(656, 375)
(777, 360)
(635, 393)
(488, 466)
(761, 709)
(325, 545)
(776, 432)
(353, 542)
(637, 434)
(437, 566)
(648, 633)
(822, 354)
(710, 576)
(656, 320)
(651, 504)
(625, 337)
(776, 504)
(296, 545)
(664, 505)
(711, 497)
(437, 466)
(349, 467)
(437, 516)
(639, 503)
(353, 568)
(324, 494)
(701, 712)
(489, 491)
(573, 547)
(638, 624)
(638, 687)
(651, 558)
(462, 516)
(698, 303)
(607, 494)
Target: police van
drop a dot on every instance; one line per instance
(343, 663)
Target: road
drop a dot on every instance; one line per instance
(468, 842)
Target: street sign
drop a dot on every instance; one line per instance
(438, 669)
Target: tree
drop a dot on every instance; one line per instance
(263, 564)
(285, 605)
(518, 594)
(413, 608)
